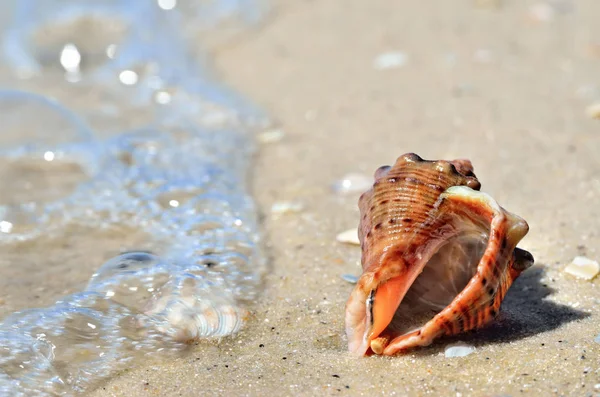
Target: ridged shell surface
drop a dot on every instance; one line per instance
(400, 202)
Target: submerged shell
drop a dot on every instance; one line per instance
(438, 256)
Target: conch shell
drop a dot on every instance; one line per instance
(438, 256)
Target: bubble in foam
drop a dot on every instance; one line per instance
(65, 36)
(19, 221)
(131, 279)
(130, 263)
(46, 145)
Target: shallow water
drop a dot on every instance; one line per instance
(113, 128)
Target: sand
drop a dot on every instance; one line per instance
(503, 83)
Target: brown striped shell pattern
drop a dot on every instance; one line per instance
(438, 256)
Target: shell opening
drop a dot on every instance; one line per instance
(442, 278)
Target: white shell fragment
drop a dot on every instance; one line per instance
(286, 207)
(593, 111)
(390, 60)
(271, 136)
(353, 183)
(542, 12)
(583, 267)
(458, 350)
(483, 55)
(350, 236)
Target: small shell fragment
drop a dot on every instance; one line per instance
(593, 110)
(271, 136)
(286, 207)
(351, 278)
(542, 12)
(350, 236)
(390, 60)
(582, 267)
(458, 350)
(353, 183)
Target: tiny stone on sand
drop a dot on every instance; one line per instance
(458, 350)
(353, 183)
(286, 207)
(350, 236)
(582, 267)
(390, 60)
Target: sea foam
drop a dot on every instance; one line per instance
(111, 90)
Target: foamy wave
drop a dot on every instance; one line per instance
(162, 148)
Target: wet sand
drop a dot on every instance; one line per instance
(503, 87)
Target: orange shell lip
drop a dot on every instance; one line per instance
(383, 304)
(388, 297)
(439, 266)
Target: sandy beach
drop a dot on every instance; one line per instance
(505, 84)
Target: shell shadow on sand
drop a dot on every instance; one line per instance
(525, 312)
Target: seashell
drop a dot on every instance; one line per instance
(349, 236)
(438, 256)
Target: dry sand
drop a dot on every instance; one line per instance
(504, 87)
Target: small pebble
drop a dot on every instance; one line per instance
(351, 278)
(353, 183)
(458, 350)
(593, 111)
(450, 59)
(350, 236)
(583, 267)
(597, 339)
(390, 60)
(587, 92)
(286, 207)
(542, 12)
(271, 136)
